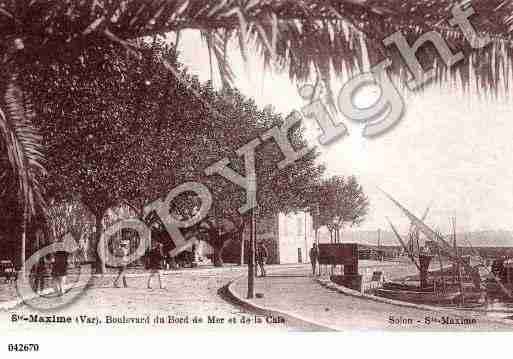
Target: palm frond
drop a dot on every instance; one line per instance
(22, 147)
(307, 36)
(207, 38)
(217, 46)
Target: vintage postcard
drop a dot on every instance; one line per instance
(271, 166)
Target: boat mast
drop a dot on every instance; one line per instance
(458, 267)
(408, 252)
(442, 277)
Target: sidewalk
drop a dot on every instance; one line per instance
(9, 297)
(297, 294)
(187, 294)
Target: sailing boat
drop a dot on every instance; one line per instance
(500, 282)
(435, 290)
(425, 291)
(499, 278)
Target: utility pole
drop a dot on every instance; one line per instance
(306, 242)
(251, 257)
(252, 240)
(242, 242)
(315, 222)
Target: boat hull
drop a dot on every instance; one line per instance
(418, 296)
(496, 291)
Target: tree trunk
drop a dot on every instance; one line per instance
(240, 237)
(218, 256)
(23, 273)
(100, 264)
(216, 242)
(241, 263)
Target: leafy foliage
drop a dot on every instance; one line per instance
(217, 131)
(97, 115)
(101, 115)
(338, 202)
(309, 38)
(120, 129)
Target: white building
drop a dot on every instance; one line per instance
(295, 237)
(288, 238)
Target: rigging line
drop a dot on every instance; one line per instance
(410, 254)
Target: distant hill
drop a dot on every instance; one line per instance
(489, 238)
(499, 238)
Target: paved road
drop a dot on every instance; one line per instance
(188, 294)
(195, 293)
(296, 292)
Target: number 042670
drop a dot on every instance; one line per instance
(23, 347)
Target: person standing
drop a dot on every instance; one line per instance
(39, 274)
(60, 271)
(123, 252)
(155, 258)
(39, 269)
(314, 257)
(261, 258)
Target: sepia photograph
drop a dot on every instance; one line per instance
(337, 167)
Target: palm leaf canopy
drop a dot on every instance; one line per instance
(309, 38)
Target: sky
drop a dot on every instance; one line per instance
(451, 150)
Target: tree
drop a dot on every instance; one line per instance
(223, 114)
(100, 116)
(278, 190)
(338, 202)
(68, 217)
(21, 201)
(310, 38)
(122, 130)
(324, 34)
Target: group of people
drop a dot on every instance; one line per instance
(57, 265)
(155, 257)
(154, 260)
(261, 256)
(59, 271)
